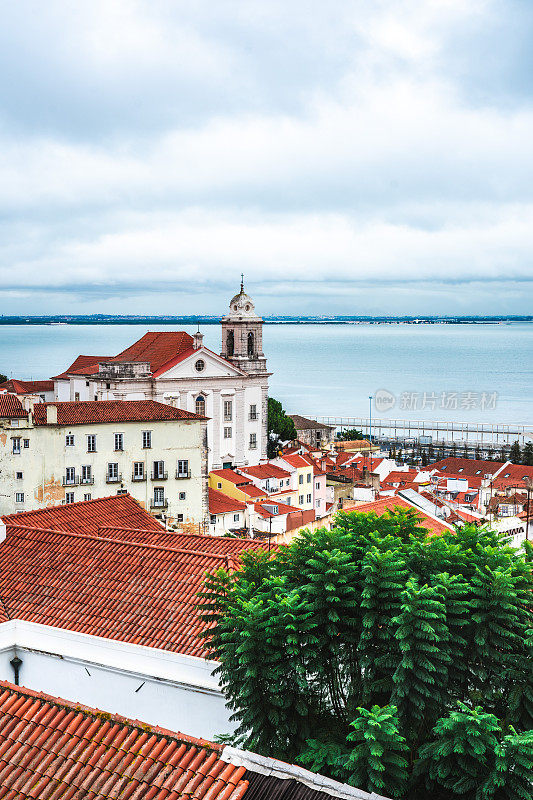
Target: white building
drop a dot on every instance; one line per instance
(57, 453)
(172, 367)
(100, 605)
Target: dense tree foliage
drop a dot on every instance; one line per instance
(280, 427)
(399, 662)
(350, 435)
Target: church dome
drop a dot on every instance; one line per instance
(242, 305)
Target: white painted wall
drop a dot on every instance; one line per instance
(179, 692)
(43, 465)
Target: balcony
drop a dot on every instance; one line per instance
(89, 481)
(113, 478)
(158, 476)
(138, 477)
(159, 503)
(181, 476)
(71, 481)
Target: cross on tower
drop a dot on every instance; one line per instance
(242, 281)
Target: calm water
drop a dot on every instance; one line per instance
(331, 369)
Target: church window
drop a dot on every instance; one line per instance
(200, 405)
(253, 441)
(247, 308)
(253, 412)
(228, 410)
(251, 344)
(230, 343)
(199, 365)
(227, 433)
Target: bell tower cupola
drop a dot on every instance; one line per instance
(242, 334)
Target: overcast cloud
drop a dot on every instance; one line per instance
(349, 157)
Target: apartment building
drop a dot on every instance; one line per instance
(61, 453)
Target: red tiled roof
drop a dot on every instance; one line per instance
(220, 503)
(91, 517)
(53, 748)
(388, 504)
(296, 460)
(464, 467)
(11, 407)
(231, 476)
(157, 347)
(94, 412)
(79, 364)
(514, 474)
(283, 508)
(252, 491)
(263, 471)
(144, 594)
(26, 387)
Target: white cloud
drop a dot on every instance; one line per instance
(337, 145)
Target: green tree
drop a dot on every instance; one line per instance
(431, 453)
(350, 645)
(527, 454)
(350, 435)
(3, 378)
(453, 451)
(465, 451)
(280, 427)
(424, 462)
(515, 454)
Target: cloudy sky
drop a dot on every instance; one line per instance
(367, 156)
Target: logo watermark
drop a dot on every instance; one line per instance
(385, 400)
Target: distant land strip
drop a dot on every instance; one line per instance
(134, 319)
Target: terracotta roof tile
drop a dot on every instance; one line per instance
(94, 412)
(79, 364)
(121, 512)
(390, 504)
(220, 503)
(111, 586)
(157, 347)
(26, 387)
(52, 748)
(11, 407)
(464, 467)
(263, 471)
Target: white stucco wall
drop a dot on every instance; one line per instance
(160, 688)
(43, 464)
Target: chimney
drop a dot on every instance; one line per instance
(198, 340)
(51, 414)
(29, 403)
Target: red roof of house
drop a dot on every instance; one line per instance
(94, 412)
(296, 460)
(80, 364)
(514, 474)
(54, 748)
(157, 347)
(231, 476)
(464, 467)
(403, 478)
(263, 471)
(112, 587)
(26, 387)
(119, 511)
(283, 508)
(252, 491)
(220, 503)
(11, 407)
(389, 504)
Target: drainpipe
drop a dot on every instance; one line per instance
(16, 663)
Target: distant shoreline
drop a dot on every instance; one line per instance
(269, 320)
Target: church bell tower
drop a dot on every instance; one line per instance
(242, 335)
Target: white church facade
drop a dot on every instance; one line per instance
(230, 388)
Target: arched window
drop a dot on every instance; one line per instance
(251, 344)
(200, 405)
(230, 344)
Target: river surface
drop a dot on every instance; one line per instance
(451, 372)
